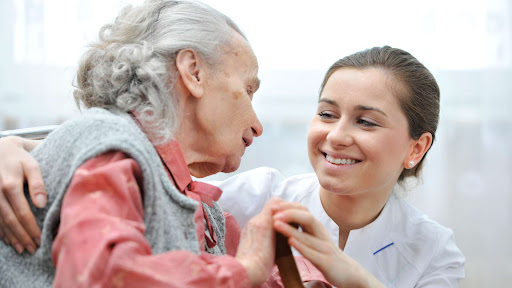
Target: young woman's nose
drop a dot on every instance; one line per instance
(341, 135)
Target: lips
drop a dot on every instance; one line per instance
(247, 141)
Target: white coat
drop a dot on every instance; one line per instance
(401, 248)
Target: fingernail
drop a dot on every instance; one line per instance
(40, 200)
(18, 248)
(30, 248)
(275, 207)
(37, 240)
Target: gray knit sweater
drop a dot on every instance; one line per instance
(168, 214)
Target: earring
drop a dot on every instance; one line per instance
(411, 164)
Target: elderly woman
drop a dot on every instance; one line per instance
(168, 90)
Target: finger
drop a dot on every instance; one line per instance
(305, 219)
(14, 226)
(313, 255)
(35, 182)
(25, 217)
(315, 284)
(13, 241)
(291, 232)
(283, 205)
(3, 235)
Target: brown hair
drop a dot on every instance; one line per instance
(418, 98)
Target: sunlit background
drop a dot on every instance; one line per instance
(466, 44)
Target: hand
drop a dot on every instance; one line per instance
(256, 251)
(315, 244)
(18, 226)
(315, 284)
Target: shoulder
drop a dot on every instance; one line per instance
(270, 182)
(413, 223)
(426, 244)
(258, 180)
(98, 121)
(95, 129)
(299, 187)
(245, 194)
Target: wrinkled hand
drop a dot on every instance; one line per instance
(257, 246)
(314, 243)
(18, 226)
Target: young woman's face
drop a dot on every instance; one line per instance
(359, 141)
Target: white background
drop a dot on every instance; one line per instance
(466, 44)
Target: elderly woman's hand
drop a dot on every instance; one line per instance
(314, 243)
(257, 246)
(18, 226)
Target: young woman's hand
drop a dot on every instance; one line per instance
(314, 243)
(18, 226)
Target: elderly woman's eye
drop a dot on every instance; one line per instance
(325, 115)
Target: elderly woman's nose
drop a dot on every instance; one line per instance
(257, 128)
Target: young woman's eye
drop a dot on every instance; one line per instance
(366, 123)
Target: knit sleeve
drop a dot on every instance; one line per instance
(101, 243)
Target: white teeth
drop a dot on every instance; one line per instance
(338, 161)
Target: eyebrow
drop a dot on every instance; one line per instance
(358, 107)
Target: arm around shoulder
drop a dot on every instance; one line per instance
(17, 223)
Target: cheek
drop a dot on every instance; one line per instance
(243, 115)
(315, 135)
(387, 149)
(237, 95)
(310, 137)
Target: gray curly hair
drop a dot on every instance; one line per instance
(132, 67)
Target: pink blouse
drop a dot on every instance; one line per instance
(101, 243)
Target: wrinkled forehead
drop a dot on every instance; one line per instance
(240, 49)
(239, 54)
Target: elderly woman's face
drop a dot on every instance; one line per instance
(228, 118)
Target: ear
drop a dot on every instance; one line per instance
(418, 148)
(192, 71)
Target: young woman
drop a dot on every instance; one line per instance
(376, 120)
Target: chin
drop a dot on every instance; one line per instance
(231, 166)
(333, 185)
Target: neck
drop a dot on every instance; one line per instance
(352, 212)
(188, 135)
(190, 144)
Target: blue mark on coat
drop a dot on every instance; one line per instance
(390, 244)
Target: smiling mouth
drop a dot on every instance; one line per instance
(340, 161)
